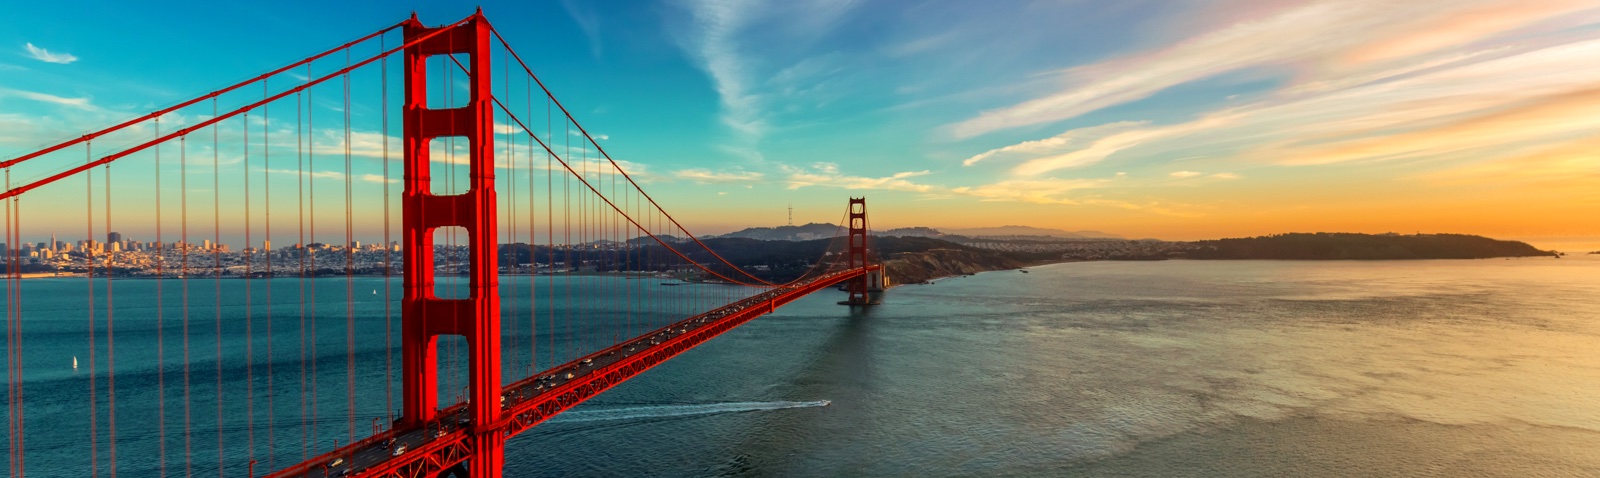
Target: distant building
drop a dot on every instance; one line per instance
(113, 237)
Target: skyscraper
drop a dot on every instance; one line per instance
(113, 237)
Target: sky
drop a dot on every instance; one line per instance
(1170, 119)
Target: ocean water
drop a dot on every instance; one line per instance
(1175, 368)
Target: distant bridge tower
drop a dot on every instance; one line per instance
(863, 290)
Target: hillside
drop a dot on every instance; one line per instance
(1335, 246)
(909, 259)
(822, 231)
(1028, 231)
(806, 232)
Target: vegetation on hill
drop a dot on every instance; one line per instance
(806, 232)
(910, 259)
(917, 259)
(1331, 245)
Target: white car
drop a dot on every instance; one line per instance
(399, 450)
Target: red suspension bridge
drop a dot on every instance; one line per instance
(535, 272)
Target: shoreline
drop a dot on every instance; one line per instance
(935, 279)
(642, 276)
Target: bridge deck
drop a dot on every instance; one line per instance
(446, 442)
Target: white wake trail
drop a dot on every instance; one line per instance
(661, 411)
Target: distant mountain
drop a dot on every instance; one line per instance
(912, 232)
(1029, 231)
(807, 232)
(824, 231)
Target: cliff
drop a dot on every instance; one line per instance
(919, 267)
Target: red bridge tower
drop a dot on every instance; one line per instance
(425, 316)
(862, 289)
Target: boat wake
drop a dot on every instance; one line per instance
(663, 411)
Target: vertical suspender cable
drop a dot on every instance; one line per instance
(301, 250)
(533, 258)
(216, 257)
(311, 208)
(249, 304)
(266, 203)
(161, 360)
(550, 240)
(388, 319)
(11, 344)
(349, 273)
(510, 212)
(13, 382)
(111, 347)
(22, 449)
(183, 249)
(14, 330)
(88, 254)
(566, 243)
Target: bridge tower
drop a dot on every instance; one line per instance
(425, 316)
(862, 289)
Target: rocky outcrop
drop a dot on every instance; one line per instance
(923, 266)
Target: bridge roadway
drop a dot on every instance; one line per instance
(446, 442)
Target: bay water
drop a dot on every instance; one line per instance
(1173, 368)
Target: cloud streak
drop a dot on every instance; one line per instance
(706, 176)
(48, 57)
(81, 103)
(756, 57)
(1317, 39)
(1385, 95)
(827, 174)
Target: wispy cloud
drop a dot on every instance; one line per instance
(1318, 39)
(1107, 140)
(706, 176)
(1041, 191)
(81, 103)
(1388, 91)
(1185, 174)
(587, 21)
(720, 37)
(716, 44)
(374, 178)
(1058, 143)
(828, 175)
(48, 57)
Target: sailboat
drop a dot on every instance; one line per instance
(74, 362)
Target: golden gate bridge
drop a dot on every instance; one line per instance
(490, 188)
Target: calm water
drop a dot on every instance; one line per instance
(1177, 368)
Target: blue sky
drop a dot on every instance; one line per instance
(1171, 119)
